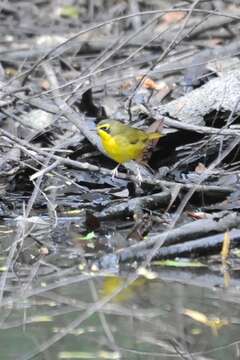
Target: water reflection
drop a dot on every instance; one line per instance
(61, 310)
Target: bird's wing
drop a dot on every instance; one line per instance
(135, 136)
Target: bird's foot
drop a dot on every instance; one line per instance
(115, 172)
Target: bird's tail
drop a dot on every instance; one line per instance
(154, 135)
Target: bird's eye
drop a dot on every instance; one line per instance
(105, 128)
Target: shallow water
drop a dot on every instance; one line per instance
(59, 307)
(145, 320)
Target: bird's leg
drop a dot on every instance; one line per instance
(115, 172)
(139, 176)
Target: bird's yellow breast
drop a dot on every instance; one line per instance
(119, 149)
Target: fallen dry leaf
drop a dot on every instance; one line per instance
(197, 215)
(214, 323)
(173, 17)
(45, 84)
(148, 83)
(200, 168)
(225, 246)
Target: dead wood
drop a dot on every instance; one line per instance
(195, 248)
(221, 94)
(201, 247)
(136, 205)
(193, 230)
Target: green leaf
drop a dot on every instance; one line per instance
(236, 252)
(178, 263)
(89, 237)
(69, 11)
(88, 355)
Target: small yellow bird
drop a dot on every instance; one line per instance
(122, 142)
